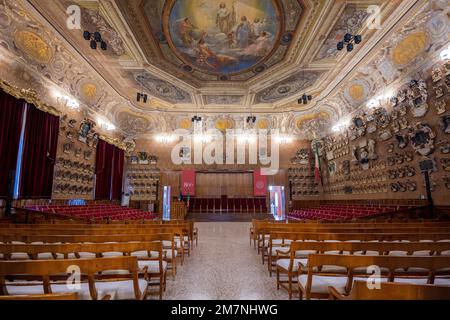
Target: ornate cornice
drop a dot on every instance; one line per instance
(30, 96)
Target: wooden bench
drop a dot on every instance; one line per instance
(55, 296)
(183, 242)
(259, 227)
(314, 283)
(151, 259)
(120, 289)
(296, 256)
(165, 238)
(392, 291)
(265, 233)
(279, 238)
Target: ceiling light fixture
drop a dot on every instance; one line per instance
(196, 119)
(95, 38)
(251, 119)
(349, 40)
(304, 99)
(65, 101)
(105, 124)
(142, 96)
(445, 54)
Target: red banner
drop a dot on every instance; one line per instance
(259, 184)
(188, 183)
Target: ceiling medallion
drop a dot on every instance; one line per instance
(33, 46)
(223, 36)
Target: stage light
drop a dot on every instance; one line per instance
(305, 99)
(347, 37)
(97, 37)
(350, 47)
(349, 40)
(87, 35)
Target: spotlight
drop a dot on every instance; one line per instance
(87, 35)
(349, 40)
(251, 119)
(143, 97)
(304, 99)
(347, 37)
(97, 36)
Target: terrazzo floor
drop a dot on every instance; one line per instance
(223, 267)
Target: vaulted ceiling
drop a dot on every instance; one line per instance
(216, 58)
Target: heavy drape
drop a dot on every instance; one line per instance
(11, 116)
(39, 154)
(103, 170)
(109, 172)
(119, 159)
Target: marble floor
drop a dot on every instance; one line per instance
(223, 267)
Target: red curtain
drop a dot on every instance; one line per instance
(105, 154)
(119, 159)
(11, 114)
(109, 171)
(39, 154)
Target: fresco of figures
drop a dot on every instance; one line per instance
(236, 37)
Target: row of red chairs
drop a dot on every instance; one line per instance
(94, 212)
(223, 205)
(341, 212)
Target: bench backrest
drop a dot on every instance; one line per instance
(48, 268)
(46, 297)
(398, 291)
(296, 236)
(33, 250)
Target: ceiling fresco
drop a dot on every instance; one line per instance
(236, 38)
(221, 39)
(203, 58)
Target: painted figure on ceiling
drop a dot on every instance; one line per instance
(226, 19)
(243, 33)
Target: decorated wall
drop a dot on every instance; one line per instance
(380, 155)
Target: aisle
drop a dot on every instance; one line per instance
(224, 266)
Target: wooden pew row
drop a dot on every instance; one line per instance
(260, 229)
(188, 225)
(295, 255)
(94, 289)
(278, 238)
(54, 296)
(313, 284)
(264, 234)
(171, 257)
(392, 291)
(151, 259)
(181, 245)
